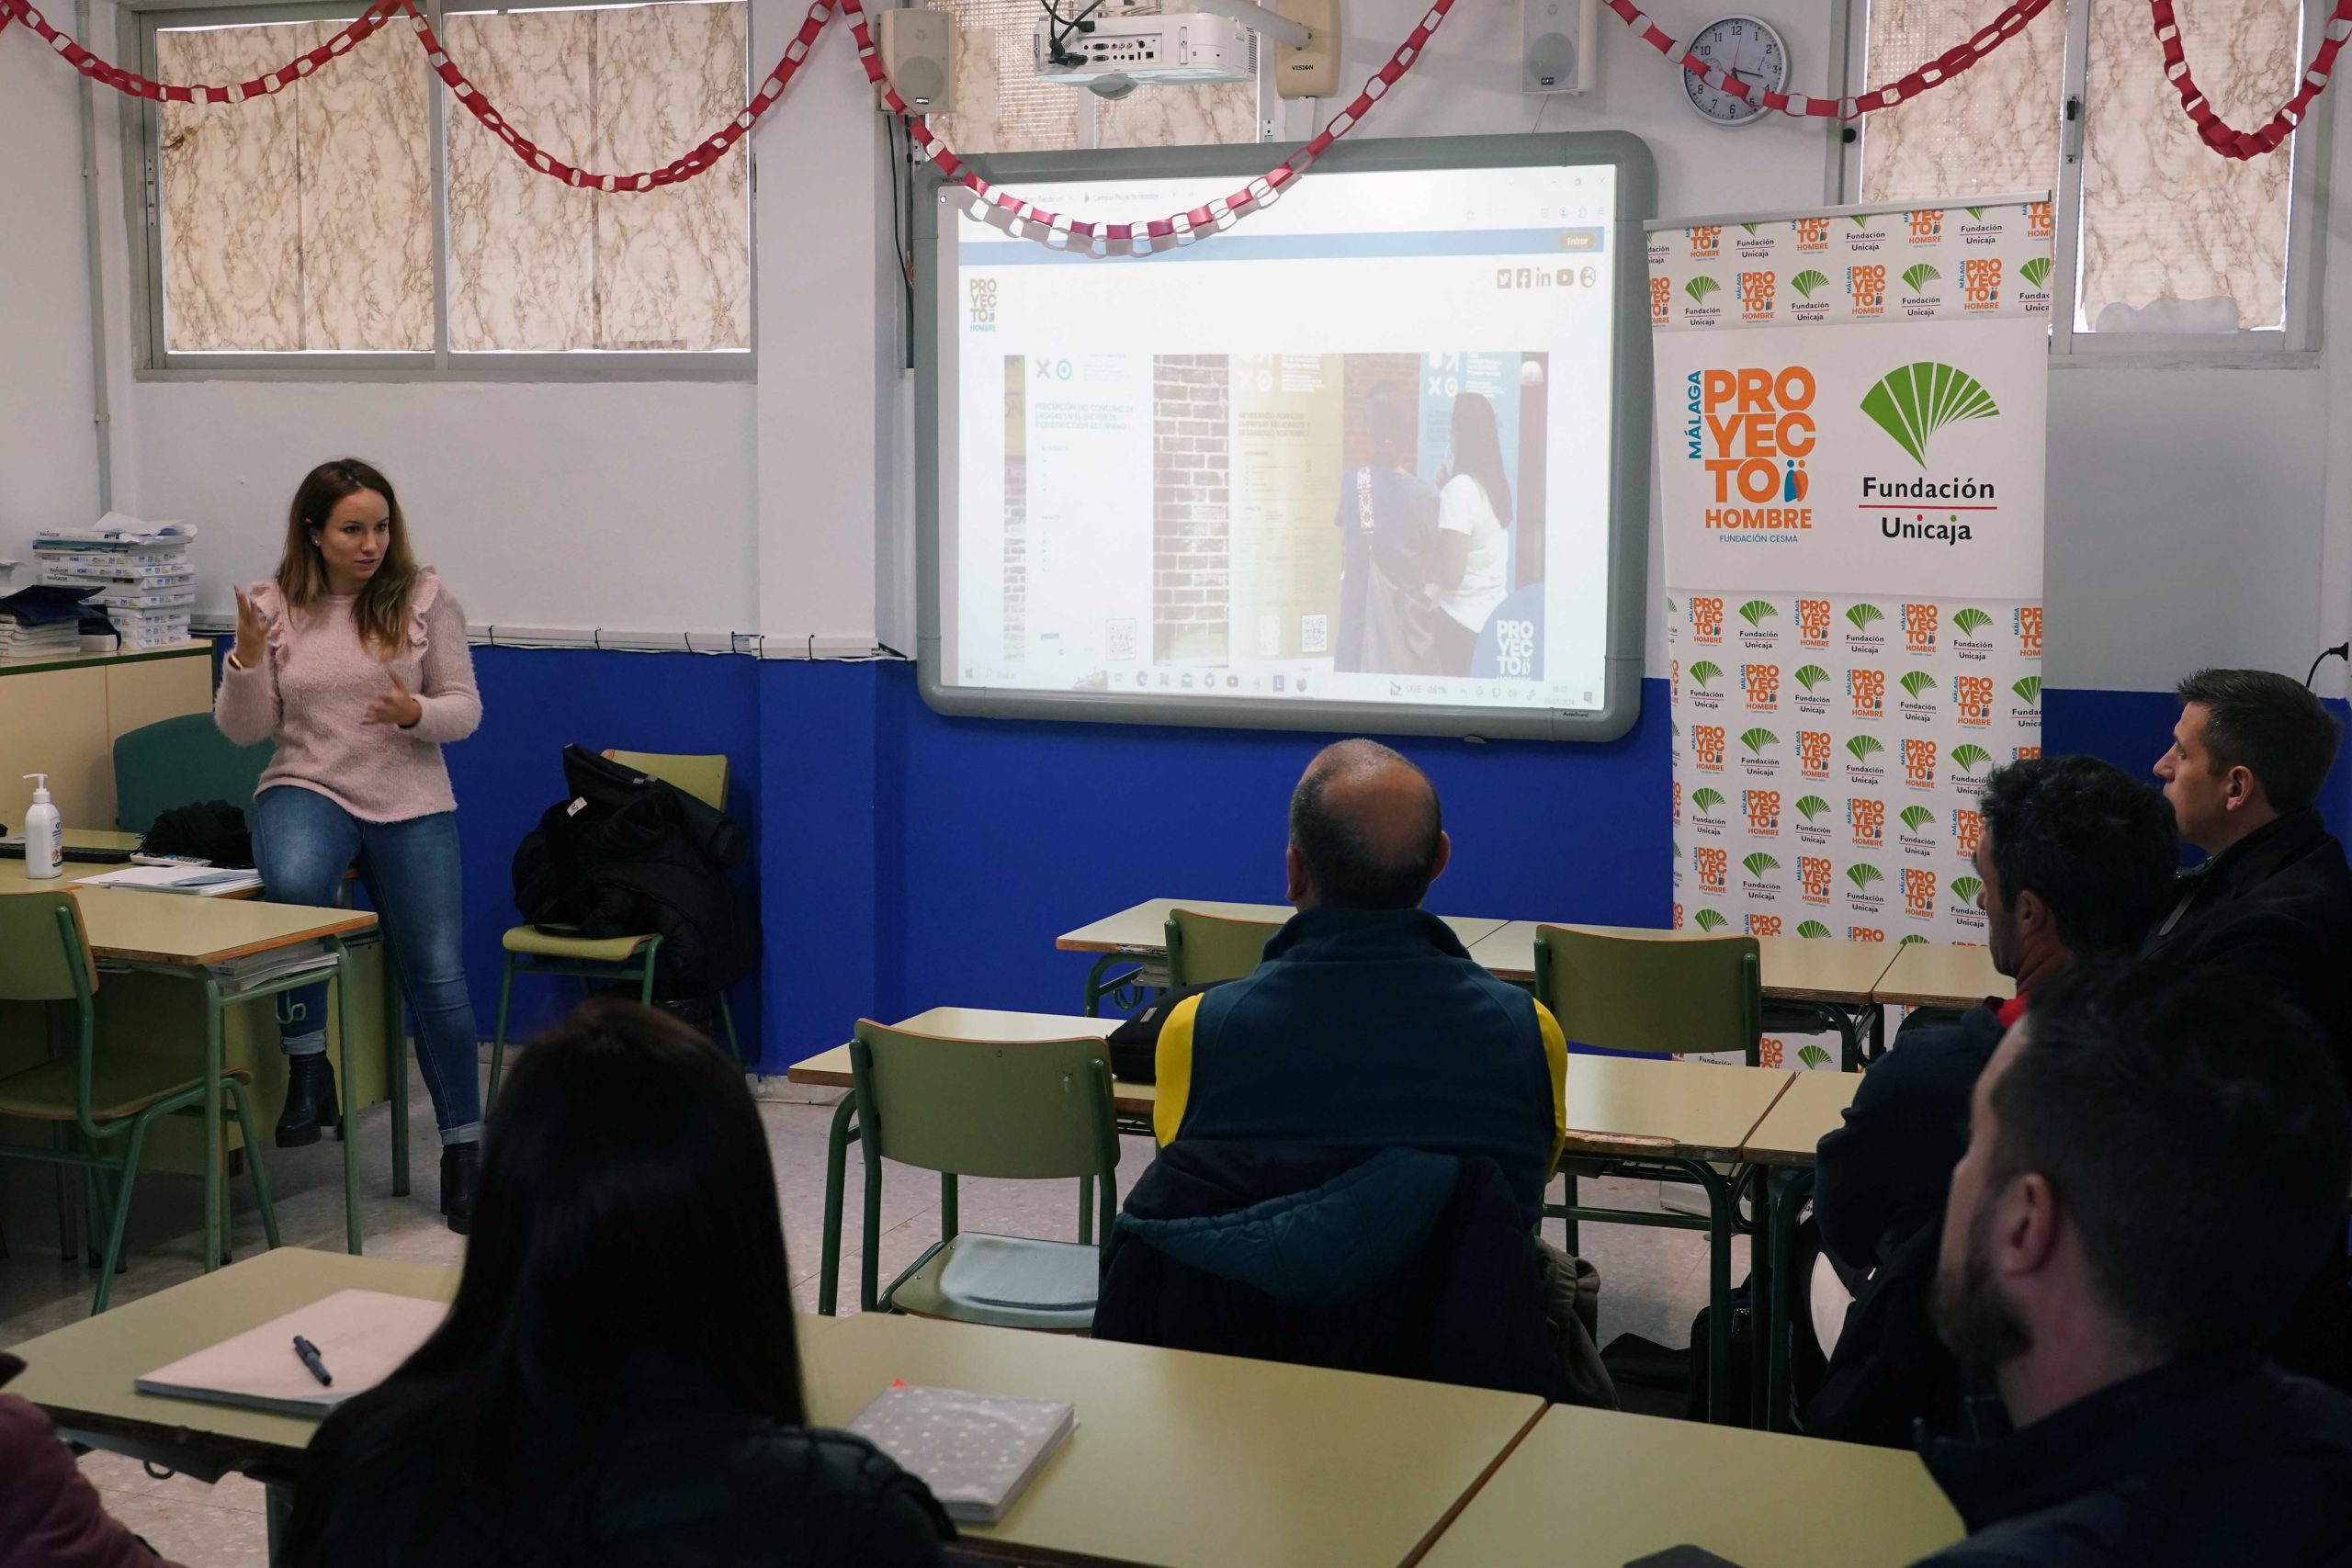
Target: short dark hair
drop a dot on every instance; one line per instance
(1393, 420)
(2264, 722)
(2090, 841)
(1348, 871)
(2197, 1132)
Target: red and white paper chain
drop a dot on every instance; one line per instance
(2221, 138)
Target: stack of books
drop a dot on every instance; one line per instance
(41, 622)
(146, 583)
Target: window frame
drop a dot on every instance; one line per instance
(2294, 344)
(157, 361)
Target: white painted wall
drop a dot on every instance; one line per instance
(2195, 515)
(48, 464)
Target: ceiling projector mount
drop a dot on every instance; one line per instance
(1113, 46)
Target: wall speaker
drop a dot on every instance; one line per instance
(918, 49)
(1559, 45)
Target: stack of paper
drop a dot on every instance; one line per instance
(146, 582)
(362, 1337)
(276, 964)
(208, 881)
(976, 1451)
(41, 622)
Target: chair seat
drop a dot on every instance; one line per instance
(1006, 1281)
(119, 1090)
(533, 942)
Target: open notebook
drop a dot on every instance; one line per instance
(361, 1335)
(976, 1451)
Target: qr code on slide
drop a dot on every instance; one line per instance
(1119, 639)
(1315, 633)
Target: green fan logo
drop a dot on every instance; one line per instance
(1862, 875)
(1812, 1057)
(1907, 941)
(1966, 888)
(1971, 621)
(2029, 690)
(1860, 220)
(1916, 817)
(1810, 806)
(1706, 798)
(1705, 671)
(1975, 211)
(1805, 282)
(1865, 745)
(1708, 921)
(1812, 675)
(1757, 739)
(1759, 862)
(1677, 729)
(1670, 607)
(1813, 930)
(1916, 682)
(1914, 279)
(2036, 271)
(1748, 227)
(1970, 755)
(1915, 401)
(1701, 287)
(1756, 612)
(1861, 615)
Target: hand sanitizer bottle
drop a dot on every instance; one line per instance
(44, 841)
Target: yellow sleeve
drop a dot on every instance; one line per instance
(1173, 1070)
(1555, 1057)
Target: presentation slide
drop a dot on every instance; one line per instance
(1358, 450)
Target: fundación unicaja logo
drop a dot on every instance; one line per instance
(1913, 401)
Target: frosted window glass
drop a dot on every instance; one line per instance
(2177, 238)
(1993, 129)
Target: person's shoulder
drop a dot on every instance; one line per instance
(837, 1486)
(28, 1444)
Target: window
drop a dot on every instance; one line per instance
(1001, 106)
(2160, 238)
(304, 224)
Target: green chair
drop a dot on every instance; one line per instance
(159, 766)
(1202, 948)
(1032, 1111)
(1659, 997)
(530, 951)
(45, 957)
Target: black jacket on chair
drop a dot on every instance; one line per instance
(628, 855)
(677, 1477)
(1399, 1262)
(2209, 1463)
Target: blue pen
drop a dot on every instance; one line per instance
(310, 1354)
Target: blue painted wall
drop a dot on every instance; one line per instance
(906, 860)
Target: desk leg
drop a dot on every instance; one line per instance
(216, 1208)
(1849, 1034)
(1760, 1280)
(1787, 1299)
(396, 1068)
(342, 1014)
(1878, 1030)
(1723, 1209)
(277, 1505)
(829, 1275)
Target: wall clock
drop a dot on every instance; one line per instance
(1746, 47)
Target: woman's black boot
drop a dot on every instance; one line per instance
(310, 1100)
(460, 1174)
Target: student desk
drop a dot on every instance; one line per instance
(182, 937)
(1189, 1461)
(1814, 1105)
(82, 1374)
(1140, 934)
(831, 1069)
(1594, 1486)
(1929, 975)
(1812, 972)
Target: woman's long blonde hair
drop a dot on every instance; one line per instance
(381, 610)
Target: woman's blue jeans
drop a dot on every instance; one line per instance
(302, 844)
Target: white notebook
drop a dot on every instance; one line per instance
(362, 1336)
(208, 881)
(976, 1451)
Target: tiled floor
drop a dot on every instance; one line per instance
(1653, 1280)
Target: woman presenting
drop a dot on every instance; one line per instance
(1470, 573)
(353, 660)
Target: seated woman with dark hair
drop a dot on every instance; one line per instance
(618, 1383)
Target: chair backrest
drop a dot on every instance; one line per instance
(44, 953)
(1654, 995)
(1022, 1110)
(704, 778)
(177, 761)
(1202, 948)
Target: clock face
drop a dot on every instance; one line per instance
(1744, 47)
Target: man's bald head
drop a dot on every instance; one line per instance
(1365, 831)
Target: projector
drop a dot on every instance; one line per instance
(1123, 52)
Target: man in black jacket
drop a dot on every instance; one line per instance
(2157, 1160)
(2274, 900)
(2075, 857)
